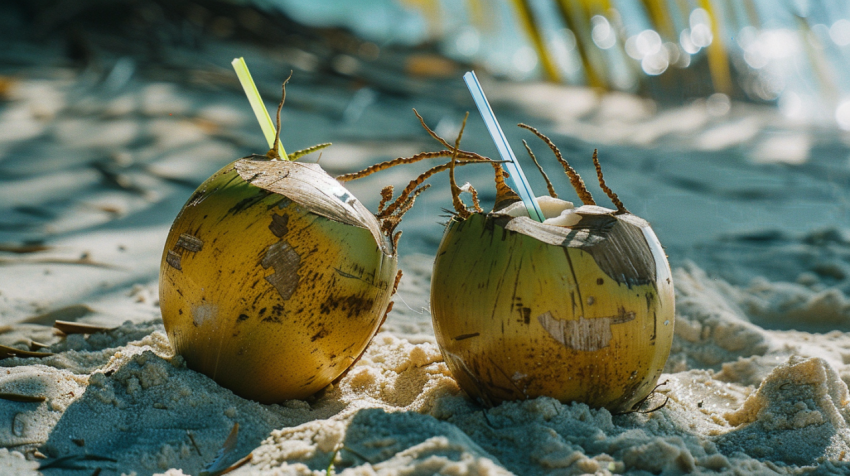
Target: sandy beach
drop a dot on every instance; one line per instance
(97, 160)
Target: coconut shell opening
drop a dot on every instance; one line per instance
(617, 242)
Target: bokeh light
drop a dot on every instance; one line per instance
(602, 33)
(718, 104)
(687, 44)
(525, 59)
(793, 56)
(468, 41)
(656, 64)
(700, 21)
(840, 32)
(648, 43)
(842, 115)
(791, 106)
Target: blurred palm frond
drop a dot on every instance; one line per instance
(591, 21)
(657, 48)
(527, 20)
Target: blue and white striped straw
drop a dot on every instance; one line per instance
(518, 178)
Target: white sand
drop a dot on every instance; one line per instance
(755, 399)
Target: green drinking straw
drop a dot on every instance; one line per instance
(511, 163)
(257, 105)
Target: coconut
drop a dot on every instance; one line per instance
(274, 279)
(578, 308)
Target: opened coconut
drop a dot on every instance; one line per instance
(579, 307)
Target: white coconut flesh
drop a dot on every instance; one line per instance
(555, 211)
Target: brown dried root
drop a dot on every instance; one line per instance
(504, 194)
(390, 222)
(416, 158)
(425, 176)
(397, 282)
(386, 196)
(576, 181)
(460, 208)
(636, 408)
(395, 288)
(471, 156)
(396, 237)
(542, 172)
(475, 203)
(613, 196)
(309, 150)
(392, 163)
(462, 154)
(273, 153)
(391, 214)
(409, 202)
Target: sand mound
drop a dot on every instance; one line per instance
(739, 398)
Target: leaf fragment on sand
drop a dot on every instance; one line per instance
(19, 397)
(22, 249)
(35, 346)
(80, 261)
(78, 328)
(6, 352)
(67, 313)
(236, 465)
(217, 467)
(70, 462)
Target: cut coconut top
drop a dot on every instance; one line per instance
(311, 187)
(624, 246)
